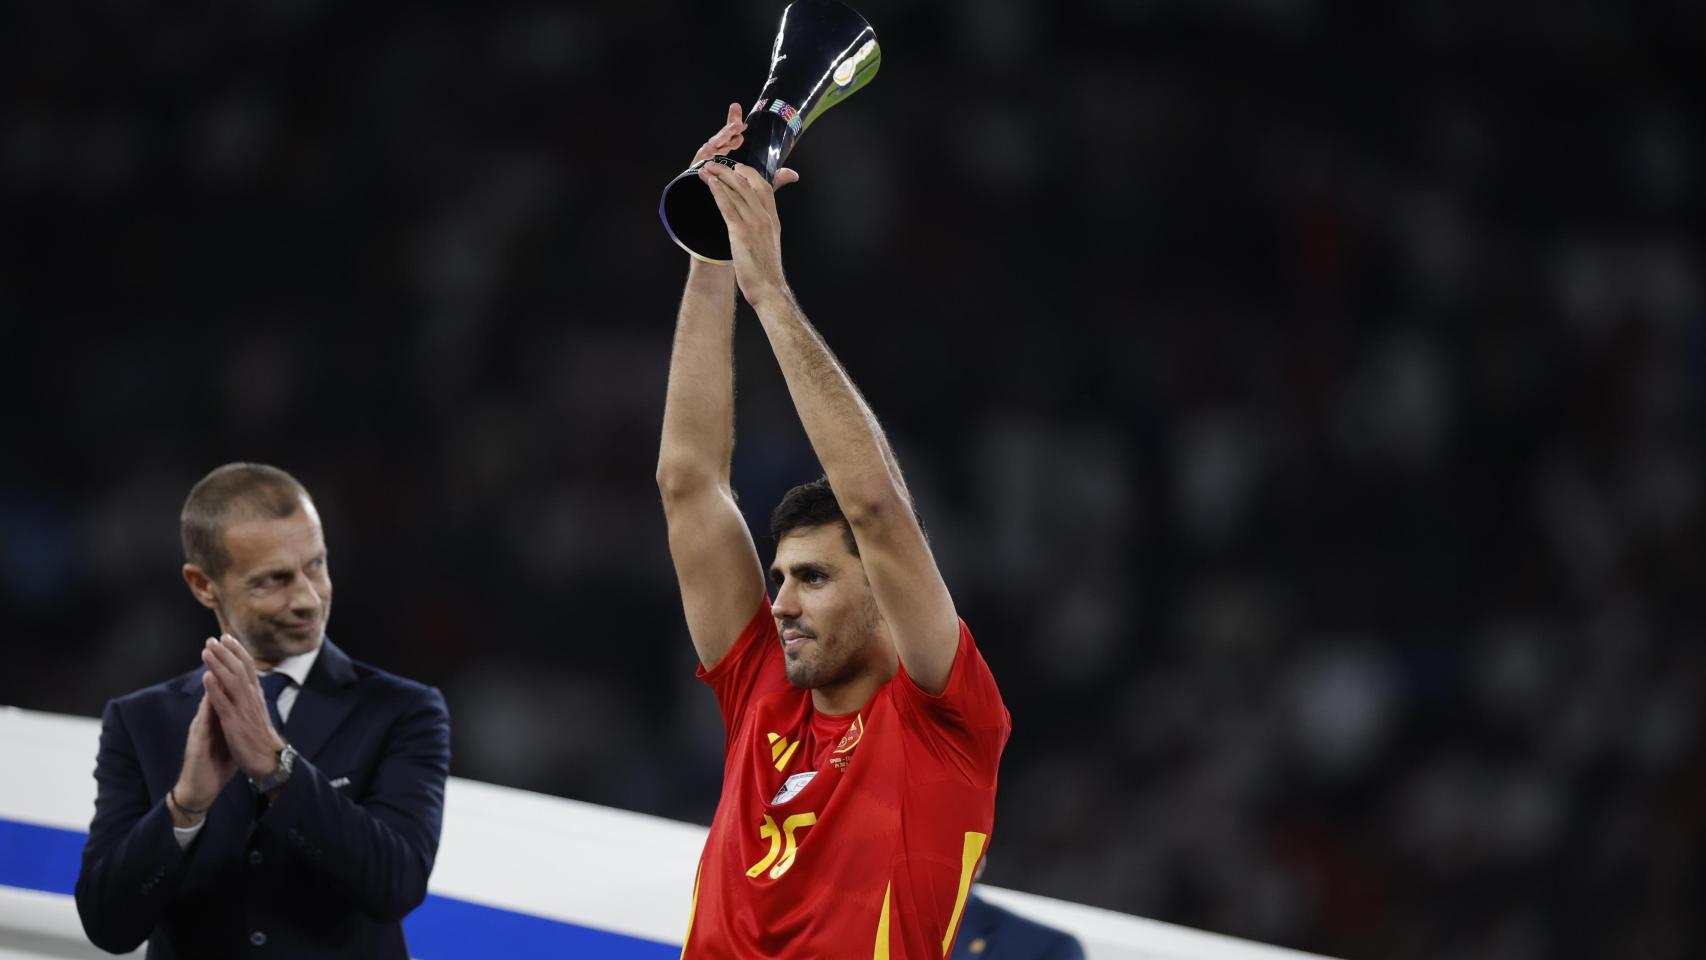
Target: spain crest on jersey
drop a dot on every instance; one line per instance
(844, 750)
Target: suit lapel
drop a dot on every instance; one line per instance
(324, 702)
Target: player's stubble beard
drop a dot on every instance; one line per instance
(833, 655)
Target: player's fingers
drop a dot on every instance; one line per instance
(757, 195)
(720, 142)
(752, 184)
(718, 174)
(738, 181)
(721, 194)
(728, 177)
(712, 148)
(786, 176)
(734, 113)
(736, 210)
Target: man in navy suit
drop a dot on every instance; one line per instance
(988, 932)
(281, 799)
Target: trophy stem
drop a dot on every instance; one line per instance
(770, 136)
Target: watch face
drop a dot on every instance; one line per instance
(286, 760)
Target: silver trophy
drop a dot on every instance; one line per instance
(824, 51)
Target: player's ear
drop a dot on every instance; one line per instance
(201, 586)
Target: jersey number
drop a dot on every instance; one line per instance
(782, 843)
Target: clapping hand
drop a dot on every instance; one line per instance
(208, 767)
(234, 689)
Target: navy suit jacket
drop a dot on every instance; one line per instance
(322, 870)
(987, 932)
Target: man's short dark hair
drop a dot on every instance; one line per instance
(813, 504)
(236, 491)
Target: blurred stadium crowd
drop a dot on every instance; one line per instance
(1305, 398)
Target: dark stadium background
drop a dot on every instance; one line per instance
(1305, 399)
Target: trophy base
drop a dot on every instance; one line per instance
(691, 217)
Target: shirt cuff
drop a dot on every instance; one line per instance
(187, 834)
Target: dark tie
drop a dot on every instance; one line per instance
(273, 684)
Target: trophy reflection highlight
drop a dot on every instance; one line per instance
(824, 51)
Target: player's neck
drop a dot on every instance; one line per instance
(843, 699)
(849, 695)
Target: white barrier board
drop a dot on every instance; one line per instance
(542, 874)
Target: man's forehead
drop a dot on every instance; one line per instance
(823, 544)
(256, 541)
(242, 512)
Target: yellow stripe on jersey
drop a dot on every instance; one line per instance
(972, 852)
(882, 951)
(692, 911)
(781, 750)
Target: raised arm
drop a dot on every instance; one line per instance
(715, 561)
(849, 442)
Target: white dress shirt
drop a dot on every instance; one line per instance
(296, 668)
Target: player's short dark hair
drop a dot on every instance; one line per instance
(809, 505)
(236, 491)
(813, 504)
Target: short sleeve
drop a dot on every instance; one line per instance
(751, 667)
(967, 725)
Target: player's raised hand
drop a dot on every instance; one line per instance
(748, 206)
(729, 138)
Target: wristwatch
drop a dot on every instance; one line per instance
(276, 779)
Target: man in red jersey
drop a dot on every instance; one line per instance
(863, 728)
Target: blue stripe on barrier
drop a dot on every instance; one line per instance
(40, 858)
(442, 928)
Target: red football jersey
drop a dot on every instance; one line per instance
(844, 837)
